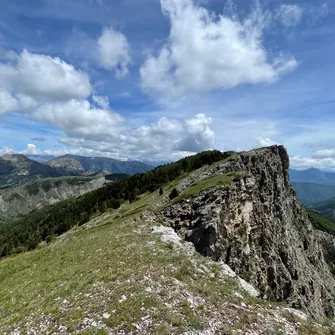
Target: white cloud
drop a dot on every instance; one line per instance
(324, 153)
(199, 135)
(7, 102)
(49, 90)
(7, 151)
(299, 162)
(206, 52)
(31, 149)
(101, 101)
(264, 141)
(290, 15)
(167, 139)
(114, 51)
(35, 78)
(77, 118)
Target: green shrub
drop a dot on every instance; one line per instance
(174, 194)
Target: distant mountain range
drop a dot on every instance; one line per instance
(316, 190)
(110, 165)
(309, 193)
(312, 175)
(18, 169)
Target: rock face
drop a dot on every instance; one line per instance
(18, 169)
(21, 200)
(68, 165)
(261, 231)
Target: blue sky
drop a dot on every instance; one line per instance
(158, 80)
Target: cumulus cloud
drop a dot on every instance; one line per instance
(31, 149)
(324, 153)
(290, 15)
(264, 141)
(199, 135)
(7, 151)
(167, 139)
(206, 52)
(78, 118)
(51, 91)
(299, 162)
(7, 102)
(36, 78)
(114, 51)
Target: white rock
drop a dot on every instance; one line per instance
(106, 315)
(238, 295)
(248, 288)
(167, 234)
(123, 298)
(297, 313)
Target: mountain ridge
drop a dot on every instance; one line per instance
(18, 169)
(312, 175)
(237, 209)
(102, 163)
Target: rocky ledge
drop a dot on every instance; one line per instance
(258, 227)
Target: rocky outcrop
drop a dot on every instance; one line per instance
(21, 200)
(260, 230)
(68, 165)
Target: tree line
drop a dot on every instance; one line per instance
(26, 233)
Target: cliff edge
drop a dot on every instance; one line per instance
(257, 226)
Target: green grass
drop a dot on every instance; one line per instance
(92, 269)
(221, 179)
(321, 222)
(85, 273)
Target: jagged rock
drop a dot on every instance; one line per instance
(261, 231)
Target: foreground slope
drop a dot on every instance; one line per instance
(124, 273)
(128, 272)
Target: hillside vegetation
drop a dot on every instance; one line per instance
(312, 175)
(327, 208)
(26, 233)
(309, 193)
(120, 273)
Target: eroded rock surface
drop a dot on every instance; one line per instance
(261, 231)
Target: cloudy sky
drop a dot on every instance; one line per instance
(160, 79)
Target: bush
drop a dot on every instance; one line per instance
(161, 191)
(174, 194)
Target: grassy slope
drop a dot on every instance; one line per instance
(312, 192)
(77, 283)
(85, 274)
(321, 222)
(326, 208)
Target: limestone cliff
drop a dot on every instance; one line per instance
(257, 226)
